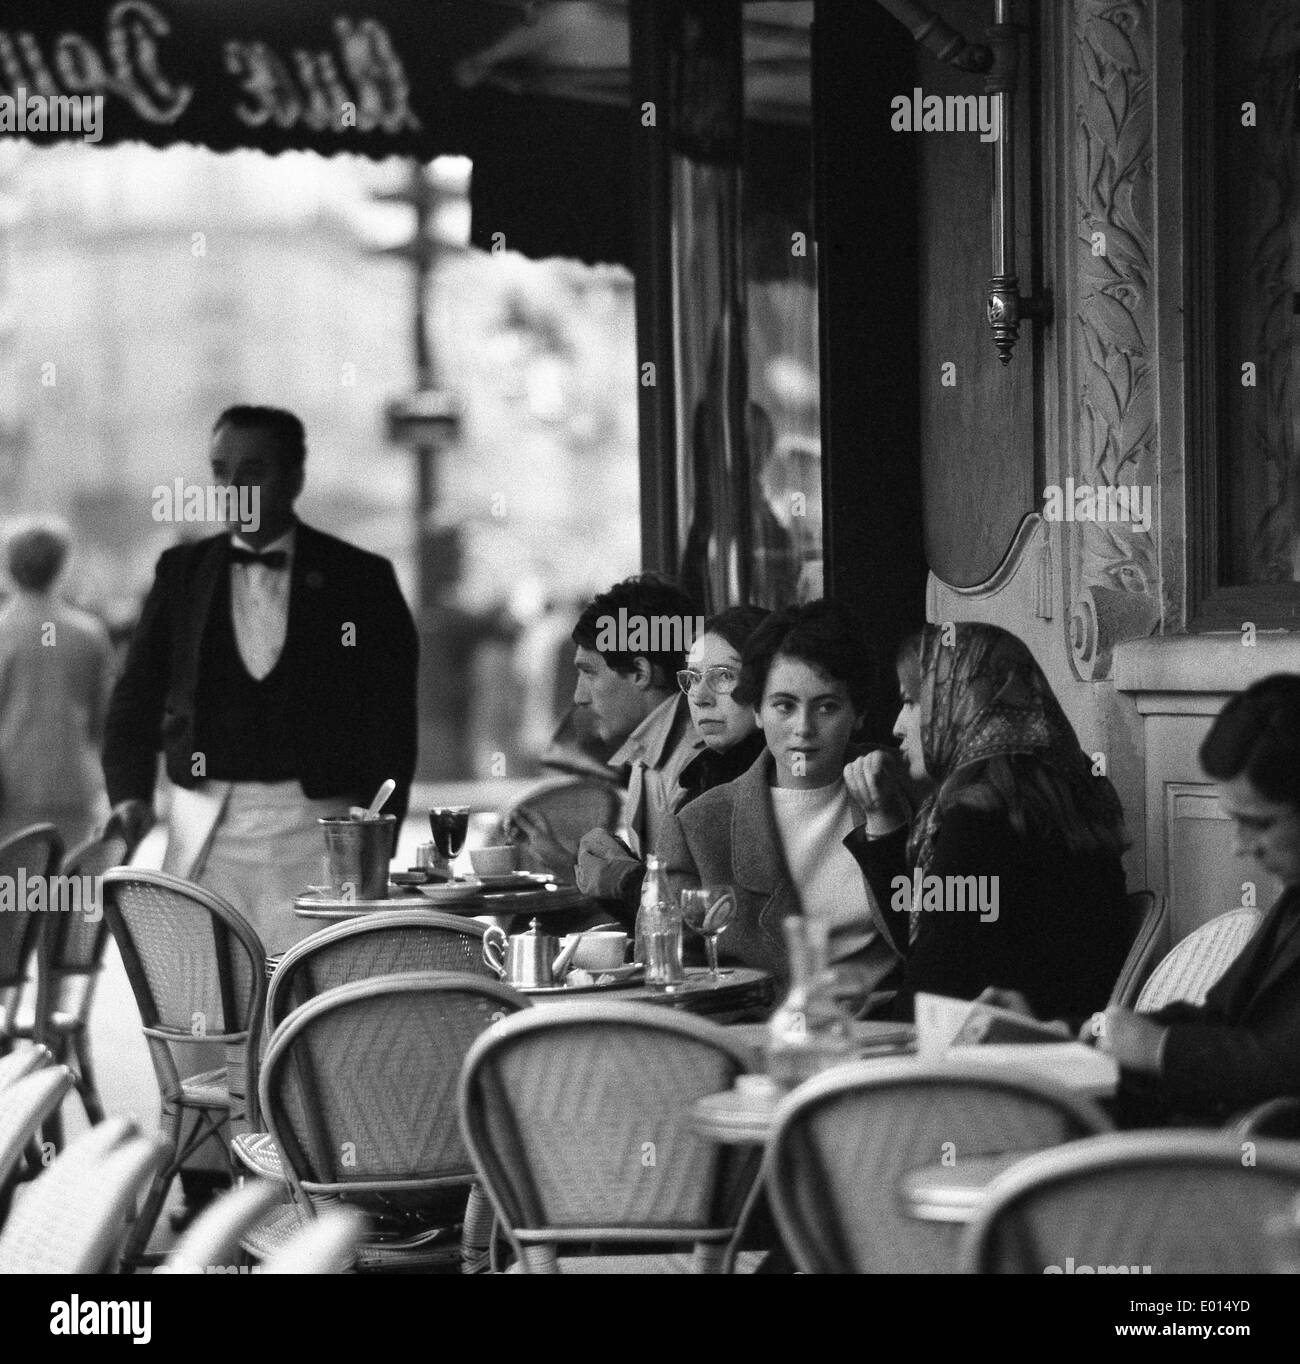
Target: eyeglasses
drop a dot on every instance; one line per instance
(720, 679)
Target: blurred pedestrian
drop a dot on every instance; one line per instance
(54, 679)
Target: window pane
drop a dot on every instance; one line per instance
(1257, 241)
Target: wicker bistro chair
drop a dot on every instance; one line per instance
(375, 944)
(1136, 1203)
(843, 1141)
(23, 1062)
(213, 1241)
(359, 1096)
(24, 1106)
(1149, 922)
(328, 1245)
(1189, 971)
(198, 972)
(71, 1220)
(578, 1121)
(15, 1066)
(31, 852)
(70, 955)
(1273, 1118)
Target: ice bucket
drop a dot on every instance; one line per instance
(357, 853)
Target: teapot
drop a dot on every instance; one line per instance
(523, 960)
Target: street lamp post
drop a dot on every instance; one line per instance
(427, 421)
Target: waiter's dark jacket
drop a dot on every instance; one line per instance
(337, 712)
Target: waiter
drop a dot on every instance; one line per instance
(275, 667)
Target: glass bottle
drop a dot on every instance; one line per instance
(659, 928)
(808, 1031)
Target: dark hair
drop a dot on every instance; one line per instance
(1050, 794)
(909, 652)
(736, 624)
(36, 554)
(1257, 735)
(283, 427)
(821, 633)
(665, 616)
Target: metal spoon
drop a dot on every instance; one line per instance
(380, 800)
(561, 964)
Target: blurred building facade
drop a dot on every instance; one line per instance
(143, 291)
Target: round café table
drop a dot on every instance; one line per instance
(932, 1193)
(953, 1193)
(509, 905)
(743, 994)
(746, 1116)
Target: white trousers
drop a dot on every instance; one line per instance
(256, 844)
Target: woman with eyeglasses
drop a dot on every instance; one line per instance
(728, 742)
(776, 833)
(729, 731)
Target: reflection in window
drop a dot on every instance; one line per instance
(783, 426)
(746, 335)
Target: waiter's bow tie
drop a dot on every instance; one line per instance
(273, 558)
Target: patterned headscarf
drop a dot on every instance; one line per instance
(982, 696)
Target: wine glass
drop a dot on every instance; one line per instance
(708, 910)
(449, 825)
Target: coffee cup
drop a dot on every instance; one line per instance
(495, 861)
(601, 950)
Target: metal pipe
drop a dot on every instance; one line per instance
(1004, 286)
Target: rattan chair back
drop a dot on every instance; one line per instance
(359, 1083)
(71, 1219)
(24, 1106)
(72, 944)
(1188, 972)
(1149, 921)
(196, 966)
(29, 854)
(578, 1119)
(383, 943)
(1137, 1203)
(843, 1142)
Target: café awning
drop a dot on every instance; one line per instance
(537, 95)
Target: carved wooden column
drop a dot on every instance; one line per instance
(1109, 419)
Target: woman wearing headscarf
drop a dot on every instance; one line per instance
(1010, 871)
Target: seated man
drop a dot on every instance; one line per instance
(1199, 1064)
(631, 642)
